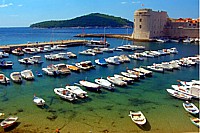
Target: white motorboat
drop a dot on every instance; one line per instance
(36, 59)
(90, 86)
(26, 61)
(18, 52)
(38, 101)
(16, 77)
(86, 52)
(76, 90)
(113, 60)
(29, 50)
(124, 58)
(173, 51)
(147, 73)
(116, 81)
(62, 68)
(136, 56)
(130, 75)
(195, 121)
(190, 83)
(71, 55)
(100, 44)
(53, 57)
(105, 84)
(51, 70)
(65, 94)
(101, 62)
(27, 74)
(48, 48)
(178, 94)
(155, 68)
(108, 50)
(166, 66)
(11, 120)
(123, 78)
(190, 107)
(175, 65)
(139, 74)
(4, 79)
(137, 117)
(63, 56)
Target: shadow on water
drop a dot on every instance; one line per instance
(145, 127)
(9, 129)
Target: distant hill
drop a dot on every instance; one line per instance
(91, 20)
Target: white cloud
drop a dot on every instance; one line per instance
(135, 2)
(19, 5)
(123, 2)
(5, 5)
(14, 15)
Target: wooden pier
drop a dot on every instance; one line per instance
(10, 47)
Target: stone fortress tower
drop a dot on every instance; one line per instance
(149, 25)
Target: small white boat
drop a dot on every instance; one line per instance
(178, 94)
(71, 55)
(18, 52)
(139, 74)
(63, 56)
(77, 90)
(113, 60)
(130, 75)
(26, 61)
(108, 50)
(123, 78)
(85, 65)
(27, 74)
(124, 58)
(136, 56)
(38, 101)
(51, 70)
(65, 94)
(53, 57)
(195, 121)
(105, 84)
(16, 77)
(116, 81)
(29, 50)
(138, 117)
(36, 59)
(90, 86)
(85, 52)
(11, 120)
(155, 68)
(147, 73)
(190, 107)
(62, 68)
(173, 51)
(4, 79)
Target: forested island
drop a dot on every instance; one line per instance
(92, 20)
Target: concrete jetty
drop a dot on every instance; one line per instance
(119, 36)
(10, 47)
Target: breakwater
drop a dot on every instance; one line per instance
(10, 47)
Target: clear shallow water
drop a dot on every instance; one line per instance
(103, 112)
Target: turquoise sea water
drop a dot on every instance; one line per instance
(104, 112)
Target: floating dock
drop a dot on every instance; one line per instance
(10, 47)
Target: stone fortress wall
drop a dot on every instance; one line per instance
(149, 24)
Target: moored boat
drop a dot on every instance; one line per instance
(116, 81)
(90, 86)
(105, 84)
(195, 121)
(101, 62)
(4, 80)
(65, 94)
(11, 120)
(178, 94)
(76, 90)
(27, 74)
(73, 68)
(137, 117)
(6, 64)
(16, 77)
(38, 101)
(190, 107)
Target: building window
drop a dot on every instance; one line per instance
(140, 20)
(140, 26)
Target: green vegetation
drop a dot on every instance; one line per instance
(91, 20)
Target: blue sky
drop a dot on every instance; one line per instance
(22, 13)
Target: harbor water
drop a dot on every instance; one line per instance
(100, 112)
